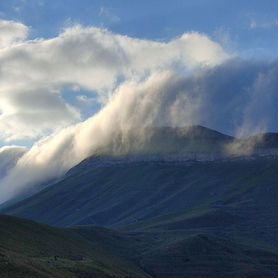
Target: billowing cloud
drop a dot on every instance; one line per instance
(225, 97)
(141, 84)
(8, 158)
(38, 76)
(12, 33)
(28, 114)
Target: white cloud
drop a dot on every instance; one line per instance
(262, 94)
(8, 158)
(11, 33)
(141, 83)
(216, 97)
(35, 73)
(34, 112)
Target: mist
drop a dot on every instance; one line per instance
(8, 158)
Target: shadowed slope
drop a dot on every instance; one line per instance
(120, 194)
(29, 249)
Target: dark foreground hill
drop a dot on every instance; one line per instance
(31, 250)
(28, 249)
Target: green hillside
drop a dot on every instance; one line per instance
(121, 195)
(28, 249)
(32, 250)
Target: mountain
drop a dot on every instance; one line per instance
(195, 213)
(160, 143)
(29, 249)
(259, 144)
(117, 191)
(190, 141)
(32, 250)
(265, 140)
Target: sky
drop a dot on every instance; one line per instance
(247, 26)
(75, 75)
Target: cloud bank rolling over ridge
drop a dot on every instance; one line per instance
(189, 80)
(84, 58)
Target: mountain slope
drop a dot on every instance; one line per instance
(118, 194)
(28, 249)
(32, 250)
(190, 141)
(194, 213)
(201, 255)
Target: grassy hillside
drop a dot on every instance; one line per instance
(201, 255)
(120, 195)
(29, 249)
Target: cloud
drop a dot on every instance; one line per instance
(262, 94)
(92, 59)
(28, 114)
(108, 16)
(11, 33)
(225, 97)
(268, 24)
(8, 158)
(141, 84)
